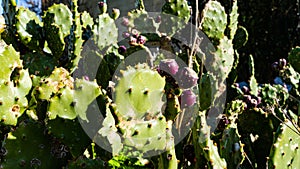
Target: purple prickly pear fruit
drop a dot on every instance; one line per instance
(253, 102)
(135, 33)
(125, 21)
(188, 98)
(126, 35)
(258, 100)
(236, 85)
(133, 41)
(186, 77)
(102, 6)
(158, 19)
(86, 78)
(245, 89)
(282, 63)
(168, 65)
(247, 98)
(245, 106)
(122, 49)
(275, 66)
(141, 40)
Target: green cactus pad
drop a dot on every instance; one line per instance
(64, 99)
(233, 24)
(15, 84)
(105, 31)
(137, 20)
(62, 17)
(139, 92)
(285, 150)
(294, 58)
(69, 103)
(206, 91)
(75, 40)
(178, 8)
(29, 28)
(87, 20)
(224, 58)
(214, 20)
(145, 135)
(62, 105)
(55, 40)
(57, 25)
(28, 147)
(59, 78)
(240, 37)
(175, 14)
(84, 94)
(205, 146)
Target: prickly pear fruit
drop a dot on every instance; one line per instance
(186, 78)
(188, 98)
(169, 66)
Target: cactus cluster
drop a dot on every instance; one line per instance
(157, 110)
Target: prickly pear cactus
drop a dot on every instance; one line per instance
(139, 93)
(15, 84)
(214, 20)
(285, 150)
(29, 147)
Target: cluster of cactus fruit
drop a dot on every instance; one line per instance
(155, 106)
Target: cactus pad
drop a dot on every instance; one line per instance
(15, 84)
(28, 147)
(214, 20)
(29, 28)
(105, 31)
(139, 92)
(294, 58)
(285, 150)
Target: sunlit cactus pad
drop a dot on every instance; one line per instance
(139, 92)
